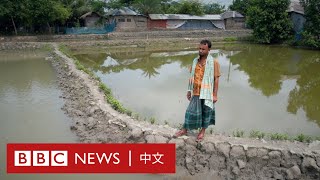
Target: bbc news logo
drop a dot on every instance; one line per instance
(91, 158)
(40, 158)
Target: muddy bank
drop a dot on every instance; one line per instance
(162, 40)
(94, 121)
(120, 45)
(136, 45)
(129, 35)
(22, 46)
(142, 45)
(144, 41)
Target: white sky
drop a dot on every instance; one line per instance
(222, 2)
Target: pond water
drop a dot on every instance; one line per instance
(30, 111)
(266, 88)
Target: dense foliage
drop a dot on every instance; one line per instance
(311, 33)
(240, 6)
(269, 20)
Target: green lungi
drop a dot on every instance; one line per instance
(198, 115)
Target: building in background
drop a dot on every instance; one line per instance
(92, 19)
(185, 22)
(233, 20)
(127, 20)
(296, 13)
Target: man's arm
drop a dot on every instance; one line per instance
(189, 92)
(216, 80)
(215, 90)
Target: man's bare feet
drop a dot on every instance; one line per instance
(201, 134)
(180, 133)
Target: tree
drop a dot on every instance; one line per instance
(193, 7)
(269, 20)
(311, 34)
(148, 6)
(169, 7)
(16, 11)
(98, 6)
(36, 14)
(31, 13)
(214, 8)
(127, 2)
(80, 7)
(240, 6)
(5, 10)
(116, 4)
(44, 12)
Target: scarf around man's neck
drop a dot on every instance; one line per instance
(207, 85)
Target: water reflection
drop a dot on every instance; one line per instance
(263, 68)
(149, 63)
(268, 66)
(306, 95)
(279, 85)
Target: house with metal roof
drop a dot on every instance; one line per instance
(185, 21)
(233, 20)
(126, 19)
(91, 19)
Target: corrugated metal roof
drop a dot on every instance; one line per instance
(231, 14)
(295, 6)
(183, 17)
(122, 12)
(89, 14)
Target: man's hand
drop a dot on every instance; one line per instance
(189, 95)
(215, 99)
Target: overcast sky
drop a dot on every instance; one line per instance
(222, 2)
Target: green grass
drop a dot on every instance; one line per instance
(257, 134)
(152, 120)
(65, 50)
(247, 38)
(136, 116)
(303, 138)
(238, 133)
(104, 88)
(275, 136)
(230, 39)
(211, 131)
(279, 136)
(47, 47)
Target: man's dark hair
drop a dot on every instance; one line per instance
(206, 42)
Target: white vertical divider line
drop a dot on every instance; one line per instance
(130, 158)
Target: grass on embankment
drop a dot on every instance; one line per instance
(107, 91)
(275, 136)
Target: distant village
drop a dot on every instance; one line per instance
(126, 19)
